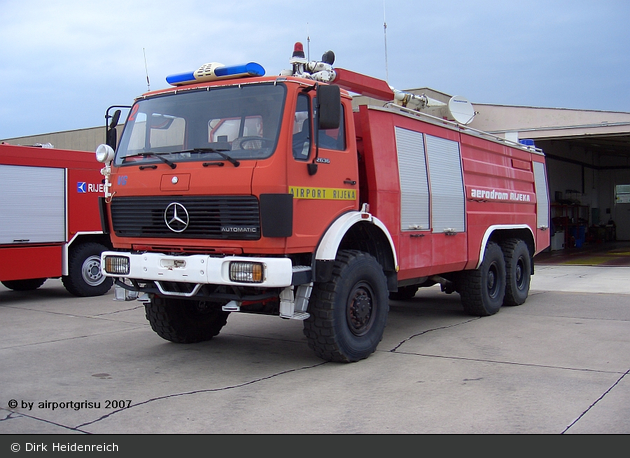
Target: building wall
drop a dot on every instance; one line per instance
(81, 139)
(537, 122)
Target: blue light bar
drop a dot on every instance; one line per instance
(215, 71)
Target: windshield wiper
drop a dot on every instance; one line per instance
(156, 155)
(218, 151)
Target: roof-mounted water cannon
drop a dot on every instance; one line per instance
(457, 109)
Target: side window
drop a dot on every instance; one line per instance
(302, 129)
(334, 138)
(622, 194)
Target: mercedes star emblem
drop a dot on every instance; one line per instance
(176, 217)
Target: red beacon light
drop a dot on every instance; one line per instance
(298, 54)
(216, 71)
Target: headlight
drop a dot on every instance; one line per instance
(247, 272)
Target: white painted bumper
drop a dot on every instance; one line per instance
(199, 269)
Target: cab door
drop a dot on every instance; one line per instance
(322, 173)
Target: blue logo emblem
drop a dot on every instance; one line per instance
(81, 187)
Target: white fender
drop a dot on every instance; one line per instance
(495, 227)
(329, 245)
(65, 269)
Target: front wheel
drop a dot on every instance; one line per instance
(348, 314)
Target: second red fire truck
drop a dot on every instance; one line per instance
(233, 191)
(50, 225)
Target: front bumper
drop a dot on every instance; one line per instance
(202, 269)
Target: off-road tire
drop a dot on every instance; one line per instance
(84, 277)
(518, 269)
(24, 285)
(482, 290)
(348, 314)
(184, 321)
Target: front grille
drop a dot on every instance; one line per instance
(217, 217)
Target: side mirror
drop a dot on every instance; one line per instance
(329, 109)
(115, 119)
(111, 136)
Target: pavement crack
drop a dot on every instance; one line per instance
(512, 363)
(68, 339)
(393, 350)
(208, 390)
(15, 415)
(10, 416)
(596, 401)
(97, 316)
(119, 311)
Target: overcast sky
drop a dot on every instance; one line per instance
(64, 62)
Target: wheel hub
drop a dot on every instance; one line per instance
(360, 311)
(493, 284)
(91, 271)
(519, 274)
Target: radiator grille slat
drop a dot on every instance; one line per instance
(216, 217)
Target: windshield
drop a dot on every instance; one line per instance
(219, 123)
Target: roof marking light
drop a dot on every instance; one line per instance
(216, 71)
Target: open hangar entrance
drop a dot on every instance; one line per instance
(588, 166)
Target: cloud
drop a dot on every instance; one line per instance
(63, 63)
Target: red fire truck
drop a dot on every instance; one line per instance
(238, 192)
(51, 225)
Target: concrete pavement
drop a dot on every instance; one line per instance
(557, 364)
(582, 279)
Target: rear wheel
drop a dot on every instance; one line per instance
(518, 269)
(482, 290)
(24, 285)
(348, 314)
(184, 321)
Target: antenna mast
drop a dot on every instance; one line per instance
(308, 43)
(385, 37)
(146, 69)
